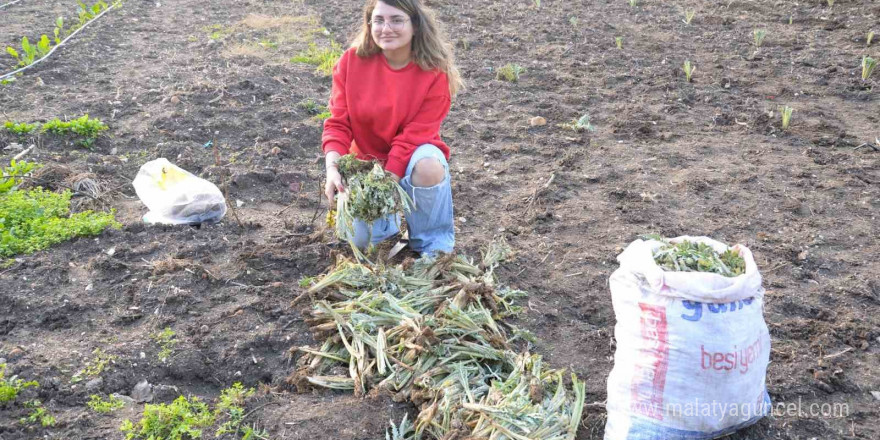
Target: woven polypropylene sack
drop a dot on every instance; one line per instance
(692, 349)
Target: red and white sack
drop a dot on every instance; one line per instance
(692, 349)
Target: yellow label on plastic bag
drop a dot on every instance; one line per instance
(171, 175)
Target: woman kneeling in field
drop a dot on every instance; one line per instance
(391, 91)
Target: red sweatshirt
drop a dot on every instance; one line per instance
(385, 114)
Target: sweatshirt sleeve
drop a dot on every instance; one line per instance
(337, 128)
(424, 128)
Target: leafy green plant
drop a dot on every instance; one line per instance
(619, 42)
(323, 58)
(13, 174)
(573, 21)
(87, 130)
(181, 420)
(28, 53)
(689, 15)
(786, 112)
(35, 219)
(231, 409)
(21, 129)
(10, 387)
(688, 70)
(167, 341)
(305, 282)
(39, 415)
(99, 405)
(689, 256)
(95, 366)
(868, 65)
(510, 72)
(759, 35)
(579, 125)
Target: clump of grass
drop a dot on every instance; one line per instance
(868, 66)
(12, 386)
(689, 15)
(99, 405)
(35, 219)
(510, 72)
(182, 419)
(323, 58)
(688, 256)
(759, 35)
(38, 415)
(579, 125)
(688, 70)
(786, 112)
(167, 341)
(619, 42)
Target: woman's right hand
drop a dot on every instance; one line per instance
(333, 185)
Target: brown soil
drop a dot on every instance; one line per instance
(667, 156)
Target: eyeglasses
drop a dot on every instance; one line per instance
(395, 24)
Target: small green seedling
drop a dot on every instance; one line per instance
(688, 70)
(9, 388)
(759, 36)
(633, 3)
(786, 112)
(619, 42)
(537, 3)
(579, 125)
(868, 65)
(790, 19)
(166, 341)
(830, 3)
(574, 21)
(689, 15)
(104, 406)
(230, 408)
(510, 72)
(183, 419)
(869, 38)
(59, 29)
(38, 415)
(95, 366)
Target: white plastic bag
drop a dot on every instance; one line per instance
(175, 196)
(692, 349)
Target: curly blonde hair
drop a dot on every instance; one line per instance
(430, 45)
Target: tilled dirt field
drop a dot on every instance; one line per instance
(701, 158)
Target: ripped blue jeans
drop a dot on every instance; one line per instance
(430, 222)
